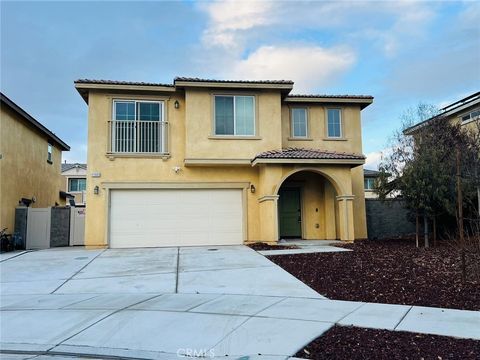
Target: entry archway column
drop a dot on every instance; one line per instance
(346, 220)
(268, 218)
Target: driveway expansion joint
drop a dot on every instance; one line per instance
(77, 272)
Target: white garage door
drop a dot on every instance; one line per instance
(175, 217)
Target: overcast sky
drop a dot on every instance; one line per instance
(400, 52)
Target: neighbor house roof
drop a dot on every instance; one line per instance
(5, 101)
(307, 155)
(454, 108)
(66, 167)
(371, 173)
(285, 86)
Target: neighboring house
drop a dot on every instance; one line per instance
(465, 111)
(369, 178)
(76, 181)
(216, 162)
(30, 157)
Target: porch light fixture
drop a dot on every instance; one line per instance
(96, 190)
(176, 104)
(252, 189)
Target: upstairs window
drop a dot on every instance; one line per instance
(49, 153)
(77, 184)
(234, 115)
(138, 127)
(369, 183)
(471, 116)
(334, 123)
(299, 122)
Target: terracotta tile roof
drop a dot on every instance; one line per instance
(194, 79)
(117, 82)
(325, 96)
(303, 153)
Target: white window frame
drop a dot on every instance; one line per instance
(368, 180)
(341, 123)
(69, 184)
(470, 117)
(162, 120)
(292, 132)
(234, 116)
(50, 152)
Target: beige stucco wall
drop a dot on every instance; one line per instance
(24, 170)
(201, 142)
(190, 131)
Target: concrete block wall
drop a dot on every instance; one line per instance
(388, 219)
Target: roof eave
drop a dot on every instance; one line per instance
(35, 123)
(83, 88)
(363, 102)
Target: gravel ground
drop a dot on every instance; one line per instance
(357, 343)
(392, 271)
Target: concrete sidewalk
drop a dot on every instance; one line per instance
(167, 302)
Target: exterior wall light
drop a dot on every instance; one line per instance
(252, 189)
(176, 104)
(96, 190)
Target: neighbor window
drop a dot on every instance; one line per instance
(77, 184)
(234, 115)
(470, 116)
(299, 122)
(138, 127)
(334, 123)
(49, 152)
(369, 183)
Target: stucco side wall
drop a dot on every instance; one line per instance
(24, 170)
(201, 142)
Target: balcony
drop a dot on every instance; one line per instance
(138, 137)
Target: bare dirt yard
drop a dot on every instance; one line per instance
(388, 271)
(358, 343)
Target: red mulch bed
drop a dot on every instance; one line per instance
(259, 246)
(391, 271)
(357, 343)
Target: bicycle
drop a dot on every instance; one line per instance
(6, 243)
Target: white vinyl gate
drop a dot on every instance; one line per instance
(38, 228)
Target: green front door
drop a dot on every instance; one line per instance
(289, 211)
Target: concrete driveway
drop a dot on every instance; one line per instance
(150, 303)
(165, 303)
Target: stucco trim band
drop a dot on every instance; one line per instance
(213, 162)
(268, 198)
(175, 185)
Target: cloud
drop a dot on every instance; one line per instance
(227, 18)
(373, 160)
(308, 66)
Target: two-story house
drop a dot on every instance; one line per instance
(219, 162)
(75, 175)
(30, 157)
(465, 112)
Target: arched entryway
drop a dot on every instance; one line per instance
(307, 206)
